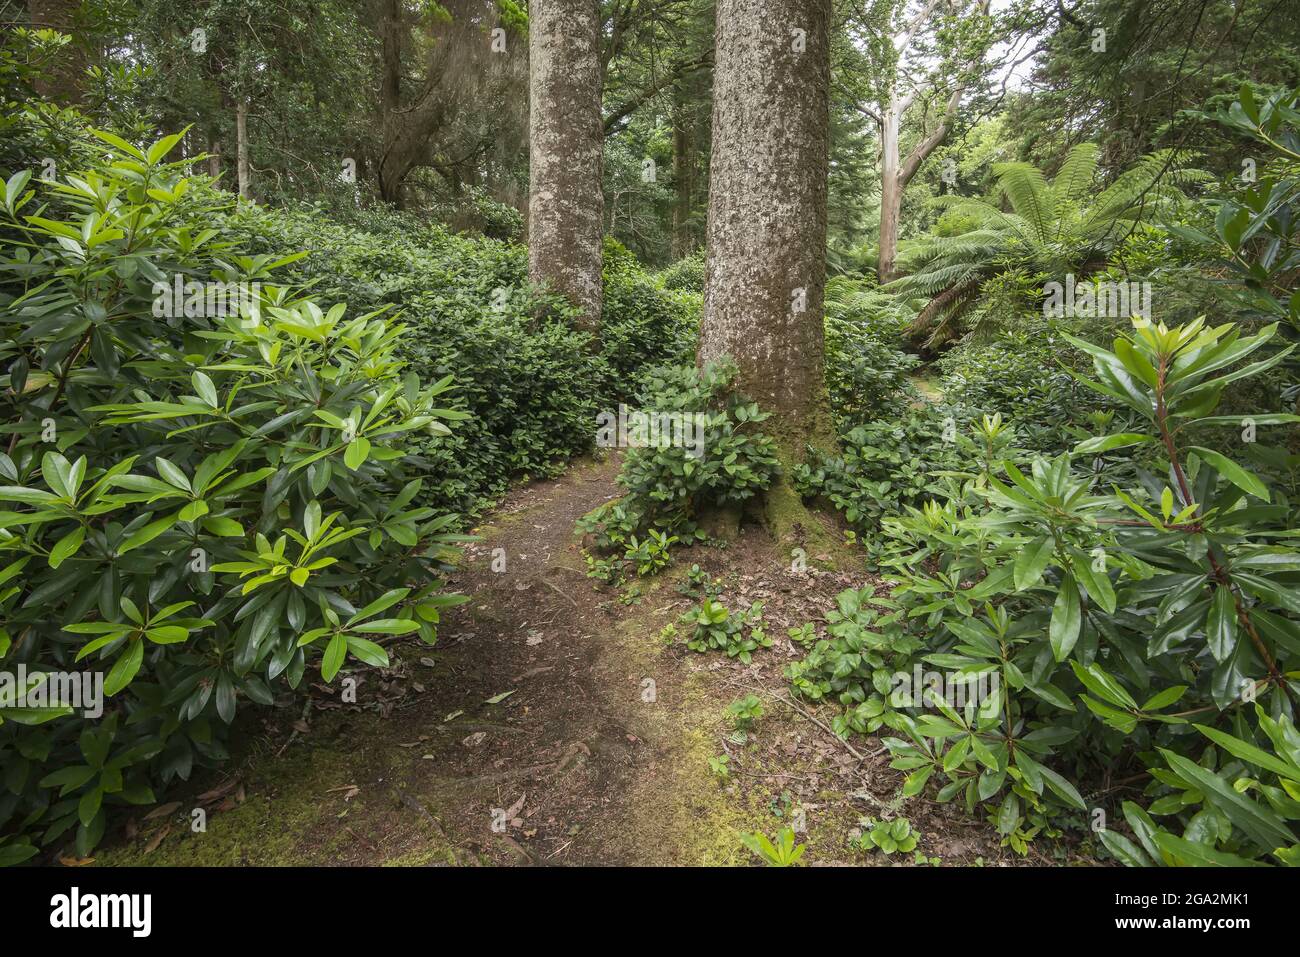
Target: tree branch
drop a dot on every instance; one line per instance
(909, 32)
(927, 146)
(679, 70)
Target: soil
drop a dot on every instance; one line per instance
(553, 724)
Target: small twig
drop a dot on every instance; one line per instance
(821, 724)
(518, 848)
(560, 591)
(306, 710)
(771, 774)
(415, 804)
(360, 838)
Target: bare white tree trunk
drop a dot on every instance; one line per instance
(566, 152)
(891, 191)
(243, 170)
(905, 89)
(766, 268)
(896, 173)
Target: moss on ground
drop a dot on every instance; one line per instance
(681, 814)
(295, 813)
(287, 802)
(422, 857)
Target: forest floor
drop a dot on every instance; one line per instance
(552, 724)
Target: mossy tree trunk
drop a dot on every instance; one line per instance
(766, 272)
(566, 205)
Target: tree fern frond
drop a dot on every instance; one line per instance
(1156, 173)
(943, 310)
(935, 281)
(1025, 188)
(1074, 180)
(940, 245)
(1051, 226)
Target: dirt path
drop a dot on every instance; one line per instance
(552, 724)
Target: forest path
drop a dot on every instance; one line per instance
(926, 381)
(552, 724)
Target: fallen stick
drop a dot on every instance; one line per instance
(561, 592)
(821, 724)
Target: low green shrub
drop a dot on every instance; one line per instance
(717, 628)
(888, 837)
(644, 326)
(205, 498)
(707, 452)
(885, 466)
(1148, 630)
(652, 553)
(1024, 376)
(686, 274)
(531, 383)
(728, 461)
(35, 131)
(719, 765)
(859, 663)
(867, 372)
(743, 712)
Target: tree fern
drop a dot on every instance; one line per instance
(1024, 186)
(1075, 180)
(1054, 226)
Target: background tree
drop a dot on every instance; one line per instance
(1122, 74)
(220, 68)
(913, 64)
(64, 80)
(657, 61)
(448, 77)
(566, 144)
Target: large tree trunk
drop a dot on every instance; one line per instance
(63, 84)
(566, 140)
(766, 269)
(767, 206)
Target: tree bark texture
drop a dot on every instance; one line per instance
(766, 267)
(566, 146)
(64, 83)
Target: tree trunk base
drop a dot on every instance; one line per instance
(722, 523)
(790, 522)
